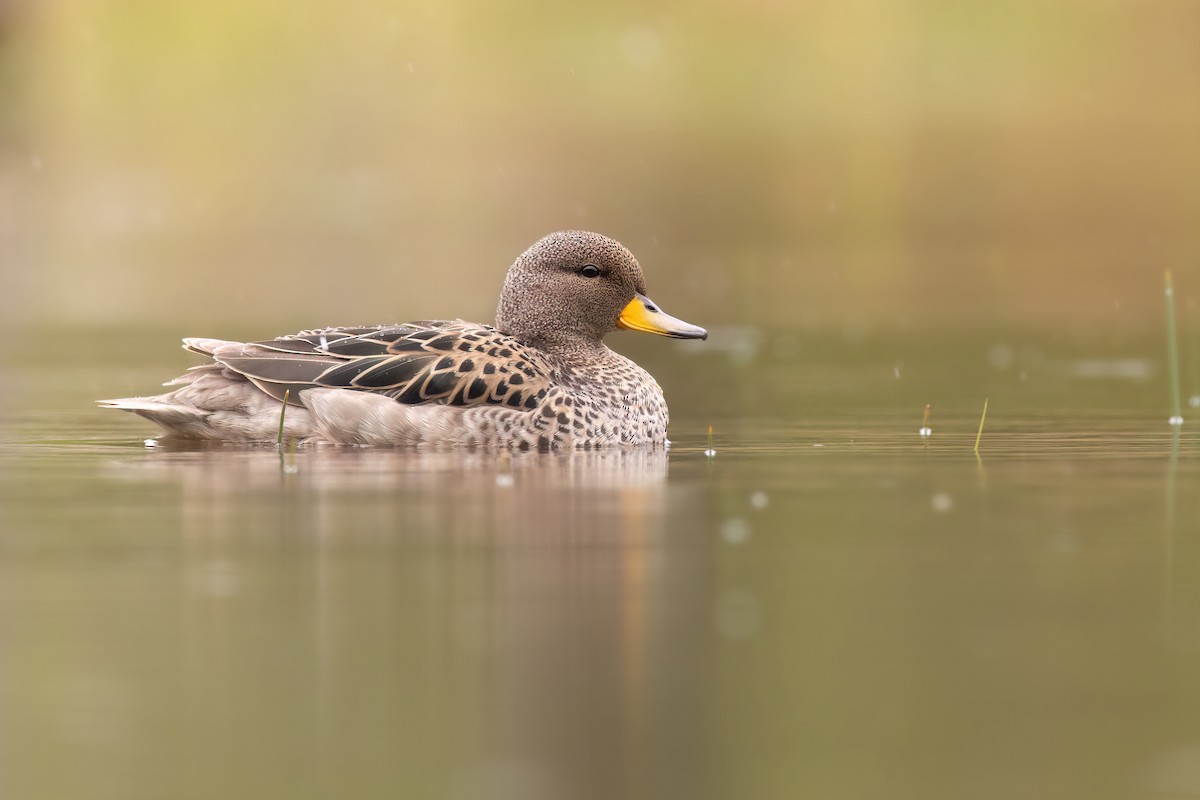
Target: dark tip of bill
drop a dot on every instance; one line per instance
(695, 333)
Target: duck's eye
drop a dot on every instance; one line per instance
(589, 270)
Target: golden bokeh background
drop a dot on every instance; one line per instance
(885, 162)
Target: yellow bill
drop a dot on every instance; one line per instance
(643, 314)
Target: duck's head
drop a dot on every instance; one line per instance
(573, 287)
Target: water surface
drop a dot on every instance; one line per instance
(832, 606)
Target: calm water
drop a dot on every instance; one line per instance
(830, 607)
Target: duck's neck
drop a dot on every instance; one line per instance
(539, 325)
(571, 348)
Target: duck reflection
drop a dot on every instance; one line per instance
(501, 624)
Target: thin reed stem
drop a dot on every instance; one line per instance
(979, 435)
(1173, 354)
(282, 414)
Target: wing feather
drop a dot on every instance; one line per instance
(450, 362)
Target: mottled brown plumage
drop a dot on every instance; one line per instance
(541, 378)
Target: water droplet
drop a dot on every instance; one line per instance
(640, 46)
(942, 502)
(1002, 356)
(735, 531)
(759, 500)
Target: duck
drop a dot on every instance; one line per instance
(540, 378)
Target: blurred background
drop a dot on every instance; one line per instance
(877, 207)
(885, 164)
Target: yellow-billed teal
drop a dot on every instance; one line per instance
(541, 378)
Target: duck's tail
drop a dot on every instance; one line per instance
(211, 402)
(171, 417)
(163, 410)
